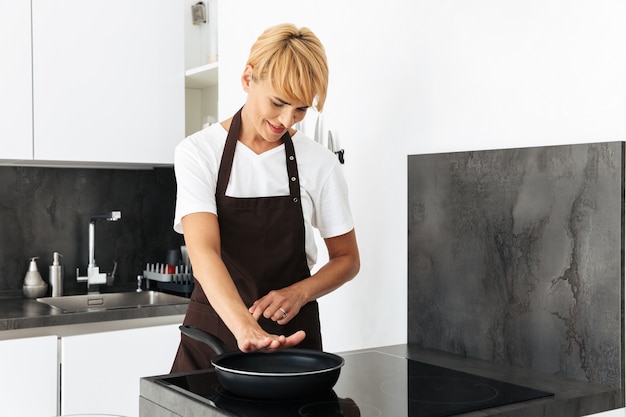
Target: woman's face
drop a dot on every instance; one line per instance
(266, 114)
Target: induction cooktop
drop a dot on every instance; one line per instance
(371, 384)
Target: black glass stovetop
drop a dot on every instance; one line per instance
(371, 384)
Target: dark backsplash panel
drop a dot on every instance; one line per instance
(516, 256)
(43, 210)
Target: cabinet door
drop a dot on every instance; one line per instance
(29, 384)
(101, 371)
(16, 110)
(108, 80)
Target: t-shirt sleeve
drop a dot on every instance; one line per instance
(196, 180)
(332, 215)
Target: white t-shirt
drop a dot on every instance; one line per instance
(324, 194)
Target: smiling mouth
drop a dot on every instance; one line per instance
(276, 129)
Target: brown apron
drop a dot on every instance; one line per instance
(263, 248)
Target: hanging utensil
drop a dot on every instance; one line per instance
(317, 137)
(331, 146)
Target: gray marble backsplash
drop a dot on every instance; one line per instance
(43, 210)
(516, 256)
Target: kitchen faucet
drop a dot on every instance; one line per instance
(94, 276)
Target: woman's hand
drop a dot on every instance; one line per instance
(278, 305)
(284, 304)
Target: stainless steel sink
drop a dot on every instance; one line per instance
(108, 301)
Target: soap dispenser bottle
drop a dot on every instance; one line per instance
(34, 286)
(56, 275)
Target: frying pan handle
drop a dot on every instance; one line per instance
(213, 341)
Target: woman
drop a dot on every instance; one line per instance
(250, 191)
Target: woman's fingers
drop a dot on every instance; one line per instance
(279, 306)
(272, 343)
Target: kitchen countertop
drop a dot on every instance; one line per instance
(23, 317)
(571, 398)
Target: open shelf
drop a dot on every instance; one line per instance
(202, 77)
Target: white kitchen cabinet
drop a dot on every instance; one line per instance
(29, 383)
(201, 68)
(16, 124)
(108, 80)
(101, 371)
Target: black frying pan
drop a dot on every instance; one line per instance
(290, 373)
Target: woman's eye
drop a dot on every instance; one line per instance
(279, 105)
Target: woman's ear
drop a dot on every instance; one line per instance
(246, 78)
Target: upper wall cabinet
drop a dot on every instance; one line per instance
(107, 80)
(16, 123)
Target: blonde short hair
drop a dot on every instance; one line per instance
(293, 61)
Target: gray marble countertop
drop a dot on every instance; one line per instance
(24, 317)
(571, 398)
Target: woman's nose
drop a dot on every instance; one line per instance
(287, 117)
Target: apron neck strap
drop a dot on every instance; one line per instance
(228, 156)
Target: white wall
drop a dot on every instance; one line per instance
(428, 76)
